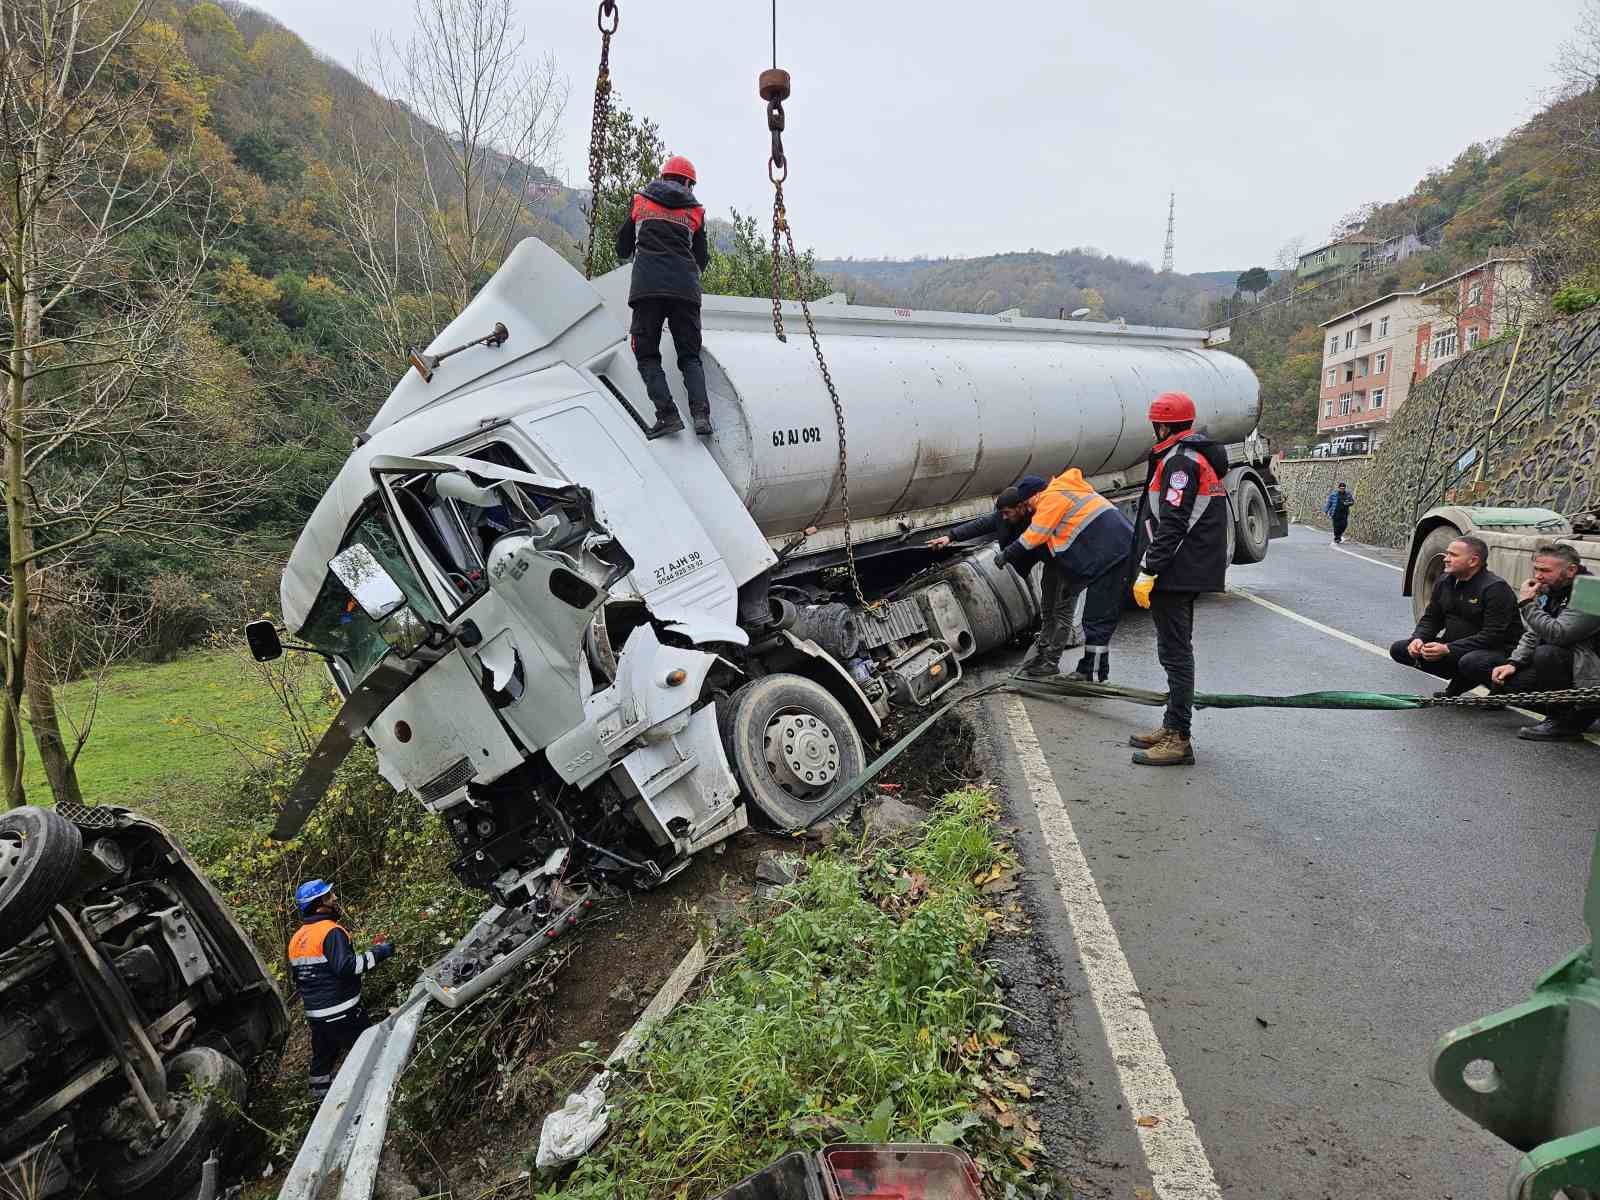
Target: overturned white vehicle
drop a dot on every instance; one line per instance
(592, 653)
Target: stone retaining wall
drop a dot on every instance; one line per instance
(1306, 483)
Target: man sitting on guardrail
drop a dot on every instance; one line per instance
(1471, 614)
(1560, 647)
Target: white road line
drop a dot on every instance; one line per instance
(1317, 625)
(1593, 738)
(1179, 1168)
(1377, 562)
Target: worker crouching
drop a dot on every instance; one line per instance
(1084, 542)
(327, 970)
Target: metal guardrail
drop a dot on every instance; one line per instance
(343, 1147)
(1533, 405)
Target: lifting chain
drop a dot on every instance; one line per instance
(1577, 697)
(774, 88)
(602, 117)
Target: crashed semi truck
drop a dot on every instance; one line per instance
(592, 654)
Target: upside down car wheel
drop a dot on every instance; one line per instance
(38, 864)
(208, 1089)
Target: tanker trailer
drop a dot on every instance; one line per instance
(585, 649)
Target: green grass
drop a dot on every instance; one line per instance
(861, 1010)
(200, 720)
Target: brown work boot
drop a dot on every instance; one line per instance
(1173, 750)
(1042, 667)
(1146, 738)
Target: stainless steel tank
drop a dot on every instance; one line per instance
(942, 408)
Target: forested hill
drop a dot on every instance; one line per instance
(1040, 284)
(1534, 194)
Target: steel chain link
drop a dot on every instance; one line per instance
(780, 223)
(779, 220)
(1579, 697)
(602, 117)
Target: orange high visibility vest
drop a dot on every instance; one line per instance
(1061, 512)
(305, 947)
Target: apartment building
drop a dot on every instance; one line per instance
(1470, 308)
(1372, 355)
(1341, 255)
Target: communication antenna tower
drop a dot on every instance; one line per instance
(1166, 255)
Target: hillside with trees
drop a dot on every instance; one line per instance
(1040, 284)
(217, 249)
(1536, 190)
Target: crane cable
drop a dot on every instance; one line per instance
(774, 89)
(602, 117)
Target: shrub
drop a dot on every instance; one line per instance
(1574, 298)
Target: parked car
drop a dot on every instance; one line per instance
(131, 1002)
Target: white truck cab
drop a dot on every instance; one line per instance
(589, 652)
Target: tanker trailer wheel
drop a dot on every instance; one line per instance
(792, 745)
(1252, 522)
(1429, 565)
(38, 864)
(208, 1089)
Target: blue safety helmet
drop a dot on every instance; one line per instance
(309, 892)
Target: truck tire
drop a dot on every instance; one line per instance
(38, 865)
(1252, 522)
(1429, 565)
(792, 745)
(209, 1090)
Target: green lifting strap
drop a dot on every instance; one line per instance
(1062, 688)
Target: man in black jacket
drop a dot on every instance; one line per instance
(1472, 612)
(665, 235)
(1184, 514)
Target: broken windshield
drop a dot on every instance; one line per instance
(337, 626)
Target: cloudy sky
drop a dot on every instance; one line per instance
(962, 127)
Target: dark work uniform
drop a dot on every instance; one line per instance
(1184, 514)
(665, 235)
(1058, 591)
(328, 972)
(1084, 541)
(1477, 620)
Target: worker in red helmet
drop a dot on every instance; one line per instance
(1184, 521)
(665, 235)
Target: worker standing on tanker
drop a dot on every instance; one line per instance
(328, 972)
(1084, 541)
(665, 234)
(1185, 521)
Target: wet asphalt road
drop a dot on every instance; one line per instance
(1312, 905)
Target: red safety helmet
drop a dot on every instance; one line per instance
(679, 165)
(1171, 408)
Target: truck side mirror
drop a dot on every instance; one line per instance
(262, 637)
(365, 579)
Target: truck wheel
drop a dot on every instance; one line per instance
(1252, 521)
(1429, 565)
(208, 1088)
(792, 745)
(38, 864)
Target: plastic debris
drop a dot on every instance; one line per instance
(573, 1128)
